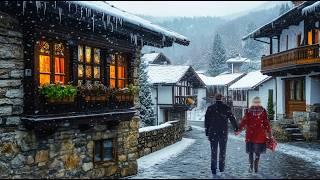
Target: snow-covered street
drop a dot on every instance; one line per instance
(190, 158)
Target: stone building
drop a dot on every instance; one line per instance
(49, 129)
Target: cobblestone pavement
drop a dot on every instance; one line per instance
(194, 162)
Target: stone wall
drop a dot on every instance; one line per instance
(155, 138)
(11, 71)
(68, 152)
(308, 123)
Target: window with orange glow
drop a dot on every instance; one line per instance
(316, 36)
(118, 72)
(309, 37)
(89, 64)
(51, 63)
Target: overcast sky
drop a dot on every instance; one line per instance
(186, 8)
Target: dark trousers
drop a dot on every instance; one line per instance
(221, 140)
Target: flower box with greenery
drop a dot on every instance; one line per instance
(58, 93)
(125, 94)
(94, 92)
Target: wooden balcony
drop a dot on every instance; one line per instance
(291, 59)
(183, 101)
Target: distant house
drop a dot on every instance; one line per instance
(175, 88)
(249, 86)
(219, 84)
(234, 64)
(155, 58)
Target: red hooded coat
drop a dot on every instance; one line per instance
(256, 124)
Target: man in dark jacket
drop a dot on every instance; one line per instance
(216, 126)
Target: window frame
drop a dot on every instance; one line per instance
(52, 57)
(101, 151)
(84, 79)
(116, 65)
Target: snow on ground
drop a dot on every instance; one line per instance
(164, 154)
(306, 154)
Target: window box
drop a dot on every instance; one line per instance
(102, 98)
(94, 92)
(67, 100)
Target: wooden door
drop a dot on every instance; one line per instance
(295, 96)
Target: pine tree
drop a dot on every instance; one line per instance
(217, 63)
(270, 107)
(252, 49)
(284, 8)
(146, 109)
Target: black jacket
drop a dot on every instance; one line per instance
(216, 119)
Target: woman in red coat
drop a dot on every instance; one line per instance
(257, 127)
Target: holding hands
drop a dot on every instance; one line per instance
(237, 133)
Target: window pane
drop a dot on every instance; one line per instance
(292, 90)
(309, 37)
(59, 79)
(44, 63)
(80, 53)
(107, 150)
(80, 71)
(96, 56)
(121, 84)
(96, 72)
(44, 79)
(97, 151)
(44, 47)
(88, 71)
(121, 72)
(298, 90)
(112, 83)
(58, 49)
(88, 54)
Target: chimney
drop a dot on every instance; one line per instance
(297, 3)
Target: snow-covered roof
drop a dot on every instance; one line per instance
(271, 25)
(238, 59)
(169, 74)
(250, 81)
(311, 8)
(220, 80)
(124, 16)
(149, 57)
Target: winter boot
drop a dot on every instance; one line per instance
(251, 168)
(256, 164)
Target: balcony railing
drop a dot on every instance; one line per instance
(185, 100)
(303, 55)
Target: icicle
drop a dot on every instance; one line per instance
(76, 8)
(111, 27)
(104, 22)
(69, 6)
(81, 11)
(141, 42)
(55, 4)
(163, 39)
(24, 5)
(116, 23)
(120, 21)
(60, 13)
(45, 8)
(108, 20)
(135, 40)
(131, 37)
(86, 12)
(38, 5)
(93, 23)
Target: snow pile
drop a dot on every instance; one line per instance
(164, 154)
(311, 8)
(220, 80)
(150, 57)
(249, 81)
(166, 73)
(108, 9)
(151, 128)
